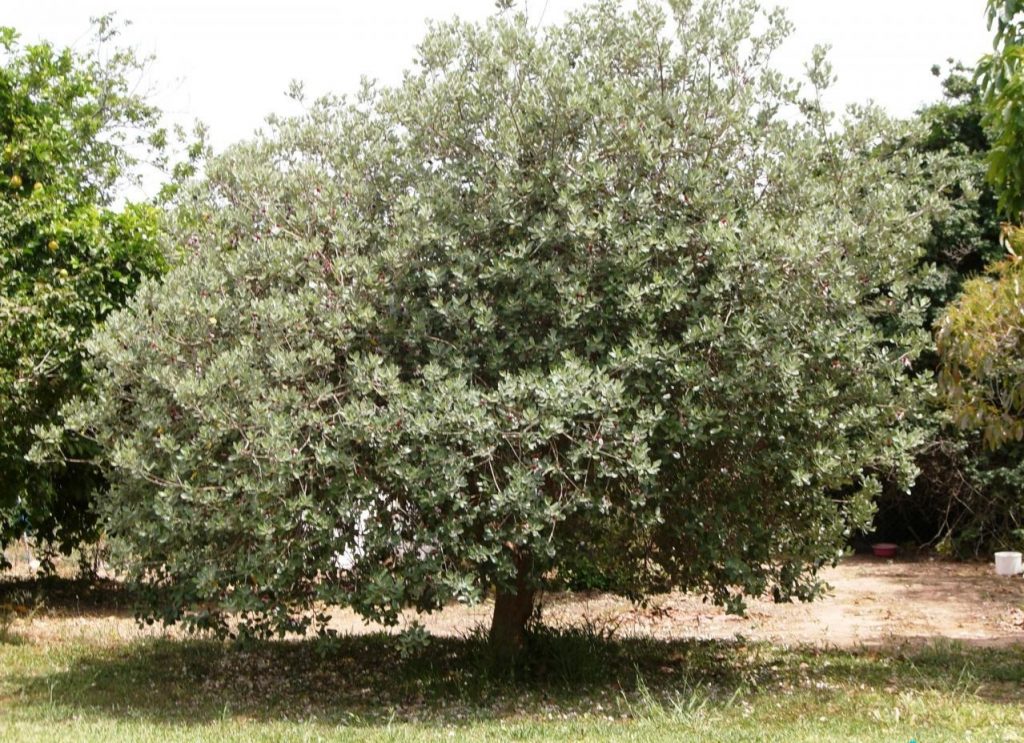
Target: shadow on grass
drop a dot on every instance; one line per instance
(362, 679)
(53, 595)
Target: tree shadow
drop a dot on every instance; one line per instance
(58, 596)
(366, 678)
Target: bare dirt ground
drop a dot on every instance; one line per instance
(873, 602)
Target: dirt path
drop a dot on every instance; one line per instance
(873, 602)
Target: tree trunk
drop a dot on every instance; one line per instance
(512, 610)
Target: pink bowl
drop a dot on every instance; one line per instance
(884, 549)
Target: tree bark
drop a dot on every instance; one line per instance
(512, 610)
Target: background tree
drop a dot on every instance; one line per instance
(966, 237)
(964, 498)
(613, 294)
(1002, 77)
(979, 334)
(981, 340)
(981, 343)
(71, 129)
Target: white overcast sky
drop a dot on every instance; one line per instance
(228, 62)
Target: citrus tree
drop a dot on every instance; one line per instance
(69, 123)
(612, 296)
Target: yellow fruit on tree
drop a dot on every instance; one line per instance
(15, 181)
(52, 246)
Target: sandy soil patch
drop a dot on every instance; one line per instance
(873, 602)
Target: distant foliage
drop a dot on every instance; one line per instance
(980, 335)
(611, 296)
(981, 340)
(966, 237)
(964, 499)
(981, 344)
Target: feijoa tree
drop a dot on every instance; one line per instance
(72, 128)
(611, 294)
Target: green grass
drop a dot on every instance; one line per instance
(579, 686)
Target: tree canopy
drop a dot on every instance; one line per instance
(610, 296)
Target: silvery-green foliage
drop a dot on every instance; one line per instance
(612, 294)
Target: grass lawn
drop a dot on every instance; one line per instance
(82, 680)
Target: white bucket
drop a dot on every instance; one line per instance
(1008, 563)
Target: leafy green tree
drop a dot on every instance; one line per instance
(980, 337)
(611, 296)
(1002, 77)
(69, 125)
